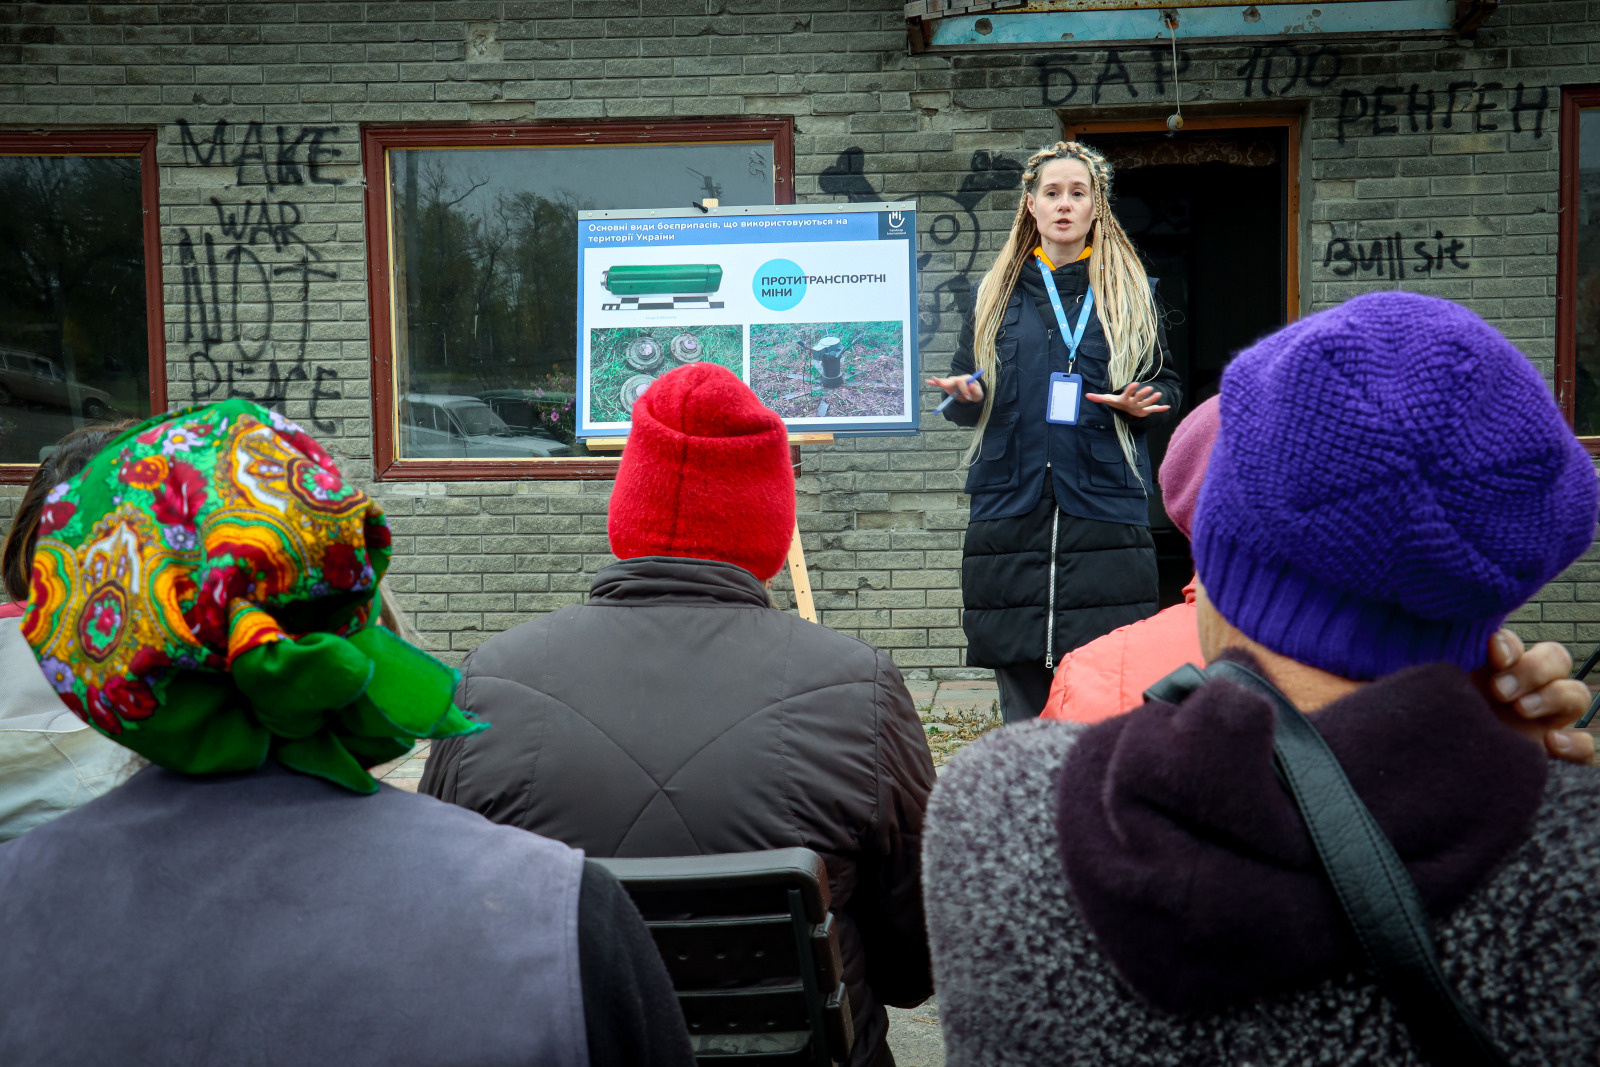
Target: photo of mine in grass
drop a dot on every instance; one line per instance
(624, 361)
(807, 370)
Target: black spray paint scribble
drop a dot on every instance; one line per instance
(955, 231)
(1462, 106)
(1114, 72)
(1286, 69)
(286, 157)
(953, 227)
(1269, 71)
(247, 281)
(1059, 81)
(245, 359)
(1386, 256)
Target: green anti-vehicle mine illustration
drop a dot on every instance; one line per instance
(663, 286)
(668, 278)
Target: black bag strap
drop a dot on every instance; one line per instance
(1374, 889)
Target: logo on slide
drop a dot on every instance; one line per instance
(779, 284)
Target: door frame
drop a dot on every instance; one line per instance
(1574, 99)
(1288, 123)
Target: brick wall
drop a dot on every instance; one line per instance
(1401, 138)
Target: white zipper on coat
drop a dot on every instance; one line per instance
(1050, 615)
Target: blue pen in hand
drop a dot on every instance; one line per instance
(970, 379)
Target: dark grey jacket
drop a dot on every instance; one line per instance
(1024, 981)
(676, 713)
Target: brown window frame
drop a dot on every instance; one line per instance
(1574, 98)
(140, 143)
(375, 143)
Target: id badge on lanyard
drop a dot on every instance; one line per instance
(1066, 395)
(1064, 399)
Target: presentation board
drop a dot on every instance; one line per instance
(814, 306)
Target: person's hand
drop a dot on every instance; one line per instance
(959, 387)
(1530, 691)
(1135, 401)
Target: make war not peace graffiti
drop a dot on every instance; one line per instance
(248, 279)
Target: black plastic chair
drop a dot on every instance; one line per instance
(752, 950)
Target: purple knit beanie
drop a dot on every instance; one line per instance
(1391, 479)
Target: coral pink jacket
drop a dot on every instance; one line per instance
(1109, 675)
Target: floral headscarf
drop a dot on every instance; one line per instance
(204, 593)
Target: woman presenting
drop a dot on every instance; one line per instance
(1072, 370)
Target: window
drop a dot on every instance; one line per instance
(472, 234)
(1578, 272)
(80, 288)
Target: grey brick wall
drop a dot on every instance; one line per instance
(1407, 138)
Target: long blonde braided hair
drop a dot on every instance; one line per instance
(1122, 299)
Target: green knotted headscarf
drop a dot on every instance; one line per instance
(205, 593)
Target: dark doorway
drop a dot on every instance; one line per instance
(1210, 211)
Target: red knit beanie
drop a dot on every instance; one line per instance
(706, 475)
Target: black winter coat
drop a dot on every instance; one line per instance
(1058, 551)
(676, 713)
(1105, 577)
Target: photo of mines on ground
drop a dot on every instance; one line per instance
(626, 360)
(829, 369)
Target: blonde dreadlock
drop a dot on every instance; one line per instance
(1122, 298)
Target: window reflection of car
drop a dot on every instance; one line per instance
(442, 425)
(37, 379)
(524, 409)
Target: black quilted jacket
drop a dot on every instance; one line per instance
(675, 713)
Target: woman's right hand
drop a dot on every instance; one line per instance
(960, 386)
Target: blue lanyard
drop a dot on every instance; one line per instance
(1073, 338)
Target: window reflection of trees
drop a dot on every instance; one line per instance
(491, 296)
(484, 247)
(72, 294)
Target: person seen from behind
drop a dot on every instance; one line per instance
(1529, 688)
(50, 760)
(202, 593)
(1390, 479)
(677, 713)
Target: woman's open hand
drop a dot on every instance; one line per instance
(1135, 401)
(961, 387)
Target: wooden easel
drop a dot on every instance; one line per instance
(802, 581)
(804, 604)
(798, 575)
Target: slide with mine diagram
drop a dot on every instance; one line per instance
(814, 306)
